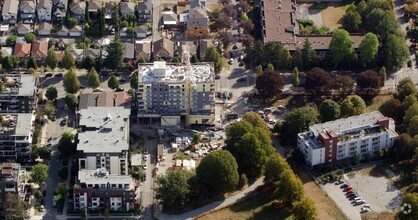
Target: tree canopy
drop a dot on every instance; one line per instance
(66, 145)
(113, 82)
(318, 82)
(211, 55)
(134, 81)
(269, 84)
(395, 52)
(68, 61)
(30, 37)
(341, 46)
(51, 93)
(93, 79)
(296, 121)
(368, 49)
(305, 209)
(329, 110)
(275, 166)
(51, 58)
(71, 101)
(114, 58)
(351, 20)
(71, 82)
(368, 84)
(405, 88)
(14, 207)
(352, 105)
(39, 173)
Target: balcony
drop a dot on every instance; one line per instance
(10, 189)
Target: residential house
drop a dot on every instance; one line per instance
(127, 8)
(44, 10)
(6, 51)
(109, 10)
(9, 11)
(144, 11)
(94, 6)
(123, 32)
(95, 53)
(128, 51)
(20, 97)
(204, 44)
(62, 31)
(189, 46)
(12, 180)
(27, 11)
(60, 55)
(24, 28)
(59, 9)
(142, 32)
(143, 50)
(22, 50)
(44, 29)
(197, 23)
(77, 54)
(163, 48)
(78, 11)
(61, 44)
(39, 50)
(169, 20)
(76, 31)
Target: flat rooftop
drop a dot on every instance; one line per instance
(103, 177)
(160, 71)
(9, 171)
(17, 124)
(105, 99)
(22, 85)
(107, 129)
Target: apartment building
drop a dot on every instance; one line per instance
(343, 138)
(103, 179)
(16, 136)
(11, 181)
(176, 95)
(18, 94)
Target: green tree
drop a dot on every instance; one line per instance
(89, 62)
(219, 171)
(7, 63)
(113, 82)
(305, 209)
(341, 46)
(71, 82)
(51, 93)
(196, 139)
(275, 166)
(368, 49)
(270, 67)
(244, 17)
(259, 70)
(51, 59)
(39, 173)
(44, 152)
(413, 126)
(382, 76)
(405, 88)
(134, 81)
(66, 145)
(68, 61)
(329, 110)
(93, 79)
(49, 110)
(295, 77)
(71, 101)
(32, 63)
(395, 52)
(14, 207)
(308, 54)
(351, 21)
(352, 105)
(212, 55)
(142, 60)
(11, 40)
(411, 199)
(71, 22)
(194, 59)
(290, 187)
(114, 59)
(296, 121)
(286, 59)
(175, 60)
(393, 108)
(411, 112)
(297, 58)
(408, 102)
(62, 189)
(63, 173)
(30, 37)
(255, 120)
(269, 84)
(403, 147)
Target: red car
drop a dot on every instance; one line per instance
(349, 191)
(346, 189)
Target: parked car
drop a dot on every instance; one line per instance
(98, 90)
(364, 210)
(119, 89)
(345, 185)
(217, 76)
(63, 122)
(346, 189)
(54, 203)
(367, 206)
(242, 79)
(41, 208)
(359, 202)
(146, 157)
(338, 182)
(58, 74)
(122, 80)
(48, 75)
(231, 61)
(144, 167)
(358, 198)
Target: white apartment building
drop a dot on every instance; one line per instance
(343, 138)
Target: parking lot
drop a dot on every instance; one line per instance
(373, 186)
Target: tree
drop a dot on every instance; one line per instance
(247, 40)
(49, 110)
(382, 76)
(259, 70)
(196, 139)
(234, 133)
(89, 62)
(413, 126)
(51, 93)
(142, 60)
(93, 79)
(63, 173)
(7, 63)
(392, 108)
(255, 120)
(343, 84)
(114, 59)
(211, 55)
(11, 40)
(318, 82)
(39, 173)
(341, 46)
(32, 63)
(68, 61)
(244, 17)
(411, 112)
(269, 84)
(387, 25)
(368, 84)
(295, 77)
(51, 59)
(290, 187)
(285, 58)
(329, 110)
(62, 189)
(30, 37)
(71, 82)
(113, 82)
(408, 102)
(296, 121)
(193, 59)
(229, 11)
(219, 171)
(71, 22)
(223, 22)
(14, 207)
(351, 21)
(395, 52)
(175, 60)
(275, 166)
(403, 148)
(226, 38)
(270, 67)
(244, 5)
(368, 49)
(352, 105)
(134, 81)
(297, 59)
(66, 145)
(308, 54)
(44, 152)
(405, 88)
(411, 199)
(71, 101)
(225, 2)
(305, 209)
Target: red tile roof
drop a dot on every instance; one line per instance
(39, 49)
(22, 50)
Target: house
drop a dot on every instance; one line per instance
(164, 48)
(76, 31)
(44, 10)
(197, 23)
(59, 9)
(95, 6)
(203, 46)
(22, 50)
(24, 28)
(109, 10)
(189, 46)
(39, 49)
(78, 11)
(143, 50)
(60, 55)
(124, 32)
(127, 8)
(169, 20)
(128, 51)
(44, 29)
(77, 54)
(27, 10)
(9, 11)
(142, 32)
(12, 180)
(95, 53)
(62, 31)
(6, 51)
(144, 11)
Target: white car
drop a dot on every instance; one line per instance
(98, 90)
(41, 208)
(358, 198)
(146, 157)
(144, 167)
(364, 210)
(231, 61)
(366, 206)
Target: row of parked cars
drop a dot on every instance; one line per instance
(353, 196)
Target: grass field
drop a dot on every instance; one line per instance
(377, 102)
(331, 15)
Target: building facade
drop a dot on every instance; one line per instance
(176, 95)
(362, 135)
(11, 182)
(18, 94)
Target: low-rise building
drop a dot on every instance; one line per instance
(360, 135)
(9, 11)
(19, 94)
(22, 50)
(197, 23)
(105, 99)
(144, 11)
(164, 48)
(44, 29)
(23, 29)
(27, 10)
(11, 181)
(59, 9)
(143, 50)
(127, 8)
(78, 11)
(39, 50)
(44, 10)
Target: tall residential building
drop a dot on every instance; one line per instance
(16, 136)
(343, 138)
(18, 94)
(11, 181)
(176, 95)
(103, 180)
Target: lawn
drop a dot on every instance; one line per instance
(331, 15)
(377, 102)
